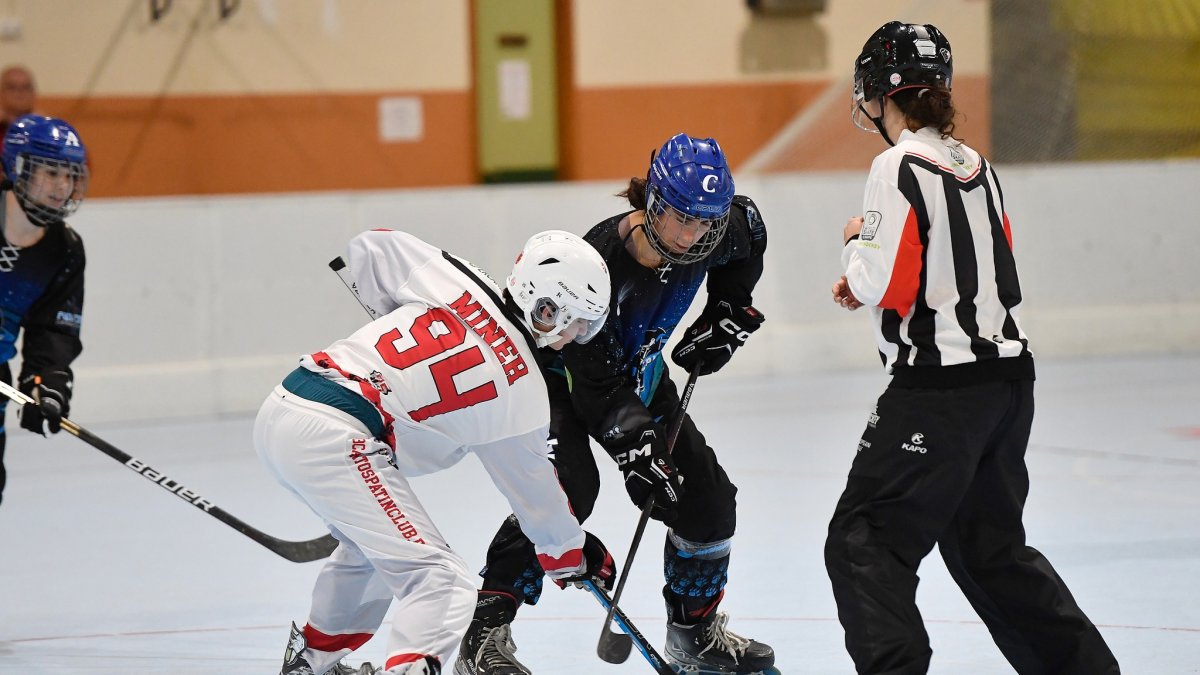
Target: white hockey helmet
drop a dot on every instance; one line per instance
(560, 272)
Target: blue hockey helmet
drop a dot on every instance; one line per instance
(690, 182)
(47, 164)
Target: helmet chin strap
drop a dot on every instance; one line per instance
(541, 339)
(35, 217)
(878, 121)
(646, 237)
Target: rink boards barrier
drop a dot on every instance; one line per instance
(199, 306)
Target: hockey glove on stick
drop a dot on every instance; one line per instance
(712, 339)
(51, 394)
(597, 566)
(649, 469)
(615, 647)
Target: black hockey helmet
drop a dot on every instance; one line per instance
(896, 57)
(902, 56)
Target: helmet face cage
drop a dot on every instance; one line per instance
(546, 311)
(559, 280)
(857, 111)
(689, 191)
(668, 230)
(899, 56)
(47, 164)
(48, 189)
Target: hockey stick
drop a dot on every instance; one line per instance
(296, 551)
(631, 631)
(615, 647)
(339, 266)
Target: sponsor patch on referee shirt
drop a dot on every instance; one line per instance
(870, 225)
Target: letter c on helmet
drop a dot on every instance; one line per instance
(708, 181)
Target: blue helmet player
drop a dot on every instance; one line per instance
(41, 266)
(687, 227)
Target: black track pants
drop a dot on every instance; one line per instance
(947, 466)
(707, 506)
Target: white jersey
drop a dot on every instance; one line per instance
(445, 364)
(934, 258)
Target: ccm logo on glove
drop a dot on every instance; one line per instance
(643, 451)
(649, 469)
(735, 330)
(712, 349)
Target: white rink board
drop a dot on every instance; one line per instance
(199, 306)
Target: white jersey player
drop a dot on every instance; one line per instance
(448, 367)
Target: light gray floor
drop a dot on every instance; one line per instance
(101, 572)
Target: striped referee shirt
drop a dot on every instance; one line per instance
(934, 262)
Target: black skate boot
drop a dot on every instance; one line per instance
(294, 662)
(699, 643)
(488, 647)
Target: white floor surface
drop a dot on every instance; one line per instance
(102, 572)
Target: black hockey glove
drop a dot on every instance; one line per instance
(597, 566)
(714, 336)
(51, 394)
(648, 470)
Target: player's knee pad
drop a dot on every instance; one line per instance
(697, 571)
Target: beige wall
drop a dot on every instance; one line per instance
(163, 106)
(111, 47)
(678, 42)
(266, 46)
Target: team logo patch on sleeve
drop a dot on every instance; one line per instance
(870, 225)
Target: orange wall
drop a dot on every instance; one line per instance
(288, 143)
(142, 146)
(832, 142)
(614, 129)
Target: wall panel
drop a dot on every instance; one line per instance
(199, 306)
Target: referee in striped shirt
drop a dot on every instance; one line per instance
(942, 459)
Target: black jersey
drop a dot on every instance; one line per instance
(41, 290)
(615, 375)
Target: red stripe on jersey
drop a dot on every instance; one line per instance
(368, 392)
(323, 642)
(1007, 232)
(906, 272)
(401, 659)
(572, 558)
(945, 168)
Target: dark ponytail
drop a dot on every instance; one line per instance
(635, 193)
(927, 107)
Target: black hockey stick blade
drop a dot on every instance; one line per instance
(339, 266)
(295, 551)
(632, 635)
(615, 647)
